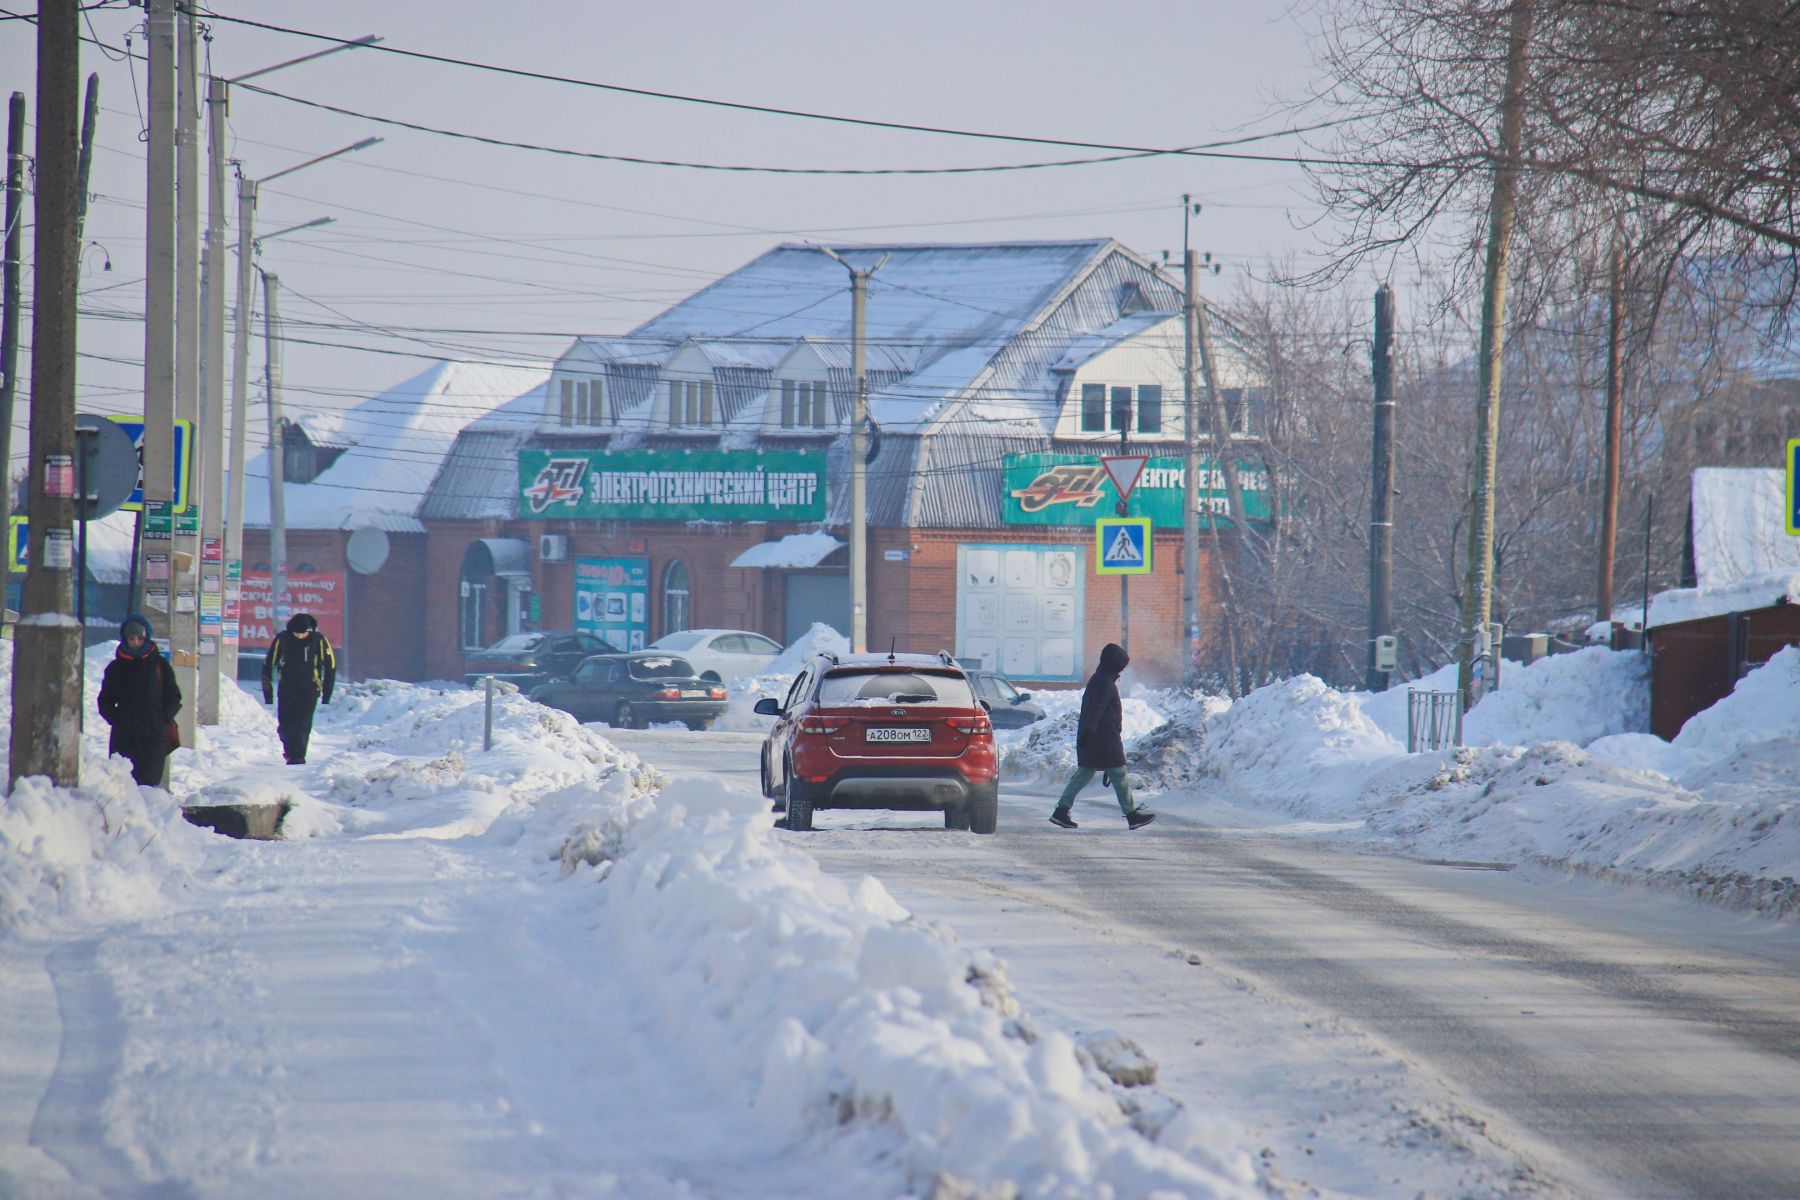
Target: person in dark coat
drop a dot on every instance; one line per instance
(301, 659)
(139, 698)
(1099, 742)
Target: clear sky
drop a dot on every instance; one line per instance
(444, 246)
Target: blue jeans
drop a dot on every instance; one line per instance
(1120, 784)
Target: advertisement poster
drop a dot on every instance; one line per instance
(320, 593)
(1019, 609)
(612, 600)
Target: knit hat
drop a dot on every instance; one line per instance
(135, 623)
(301, 622)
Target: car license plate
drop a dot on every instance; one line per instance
(889, 733)
(693, 695)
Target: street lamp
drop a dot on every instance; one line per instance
(212, 472)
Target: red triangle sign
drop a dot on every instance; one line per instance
(1125, 470)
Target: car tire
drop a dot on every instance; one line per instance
(956, 817)
(983, 809)
(799, 805)
(699, 725)
(623, 717)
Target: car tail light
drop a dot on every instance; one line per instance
(821, 724)
(666, 694)
(717, 693)
(971, 725)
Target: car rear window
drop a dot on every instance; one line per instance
(661, 666)
(852, 687)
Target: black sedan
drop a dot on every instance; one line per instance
(630, 691)
(528, 659)
(1008, 707)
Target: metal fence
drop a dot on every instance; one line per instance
(1433, 720)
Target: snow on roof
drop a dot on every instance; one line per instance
(1087, 346)
(1738, 525)
(397, 442)
(1758, 591)
(795, 550)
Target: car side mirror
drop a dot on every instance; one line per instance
(768, 706)
(1021, 698)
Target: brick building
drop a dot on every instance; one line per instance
(695, 472)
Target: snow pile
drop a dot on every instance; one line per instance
(1756, 591)
(776, 679)
(829, 1011)
(1045, 750)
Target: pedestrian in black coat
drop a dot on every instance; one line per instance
(302, 660)
(139, 699)
(1100, 743)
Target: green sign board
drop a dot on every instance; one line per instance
(666, 485)
(1074, 489)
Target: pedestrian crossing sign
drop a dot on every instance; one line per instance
(1122, 546)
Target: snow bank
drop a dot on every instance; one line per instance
(776, 679)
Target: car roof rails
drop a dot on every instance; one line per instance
(947, 660)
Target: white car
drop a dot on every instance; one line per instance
(722, 654)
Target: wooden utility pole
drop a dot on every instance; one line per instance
(1615, 404)
(1381, 487)
(1478, 579)
(46, 731)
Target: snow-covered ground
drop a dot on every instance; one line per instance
(729, 1019)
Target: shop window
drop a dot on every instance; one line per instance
(675, 612)
(473, 596)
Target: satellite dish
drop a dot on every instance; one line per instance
(109, 466)
(366, 550)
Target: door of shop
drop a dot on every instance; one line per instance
(815, 597)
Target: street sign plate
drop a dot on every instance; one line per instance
(1125, 471)
(1793, 486)
(1122, 546)
(184, 465)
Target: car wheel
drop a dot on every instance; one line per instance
(957, 817)
(983, 810)
(699, 723)
(799, 804)
(623, 717)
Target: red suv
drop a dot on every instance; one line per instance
(891, 731)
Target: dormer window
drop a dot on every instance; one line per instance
(583, 402)
(1132, 299)
(1110, 408)
(805, 404)
(690, 403)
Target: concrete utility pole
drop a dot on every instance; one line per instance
(277, 452)
(859, 470)
(240, 404)
(1190, 436)
(1381, 488)
(46, 731)
(1615, 405)
(155, 563)
(9, 317)
(1478, 580)
(212, 419)
(1222, 455)
(184, 557)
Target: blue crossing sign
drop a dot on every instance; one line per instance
(184, 464)
(1122, 546)
(1793, 486)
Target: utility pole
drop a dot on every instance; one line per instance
(1381, 489)
(46, 738)
(859, 470)
(9, 318)
(240, 406)
(277, 452)
(1222, 456)
(1615, 404)
(184, 557)
(1190, 431)
(212, 419)
(1478, 580)
(155, 566)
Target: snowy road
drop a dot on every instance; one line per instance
(1405, 1023)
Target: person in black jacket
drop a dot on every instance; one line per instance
(302, 659)
(1099, 744)
(139, 699)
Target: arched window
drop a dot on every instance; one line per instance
(675, 597)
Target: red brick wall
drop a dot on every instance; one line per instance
(386, 615)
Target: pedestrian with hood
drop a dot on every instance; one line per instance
(298, 673)
(139, 699)
(1099, 742)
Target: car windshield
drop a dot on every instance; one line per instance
(679, 641)
(515, 643)
(876, 687)
(661, 666)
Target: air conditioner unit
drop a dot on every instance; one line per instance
(553, 547)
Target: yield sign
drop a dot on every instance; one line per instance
(1125, 470)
